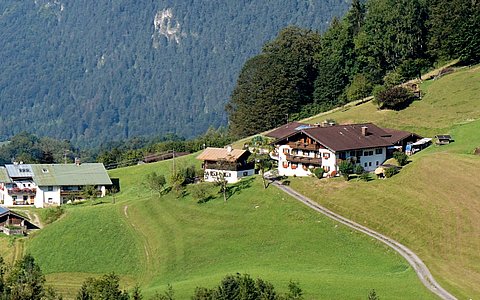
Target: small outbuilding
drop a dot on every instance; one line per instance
(12, 223)
(443, 139)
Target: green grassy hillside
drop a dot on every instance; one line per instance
(155, 241)
(433, 205)
(446, 102)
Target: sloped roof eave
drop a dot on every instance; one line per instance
(217, 154)
(70, 174)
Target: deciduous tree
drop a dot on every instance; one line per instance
(155, 182)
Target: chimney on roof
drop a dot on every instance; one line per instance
(364, 130)
(229, 149)
(78, 161)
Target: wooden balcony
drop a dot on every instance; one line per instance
(76, 193)
(304, 160)
(229, 166)
(22, 191)
(304, 146)
(13, 229)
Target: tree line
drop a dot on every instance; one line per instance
(24, 280)
(302, 72)
(28, 148)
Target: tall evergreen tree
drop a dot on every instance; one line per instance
(334, 61)
(356, 17)
(26, 281)
(275, 83)
(394, 31)
(262, 98)
(454, 29)
(294, 49)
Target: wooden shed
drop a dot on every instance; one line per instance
(12, 223)
(443, 139)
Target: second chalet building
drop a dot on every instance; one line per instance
(231, 163)
(45, 185)
(299, 148)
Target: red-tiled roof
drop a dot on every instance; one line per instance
(398, 135)
(285, 130)
(349, 137)
(346, 137)
(218, 154)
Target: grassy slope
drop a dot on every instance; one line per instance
(433, 205)
(264, 233)
(450, 100)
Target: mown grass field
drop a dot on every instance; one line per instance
(433, 205)
(156, 241)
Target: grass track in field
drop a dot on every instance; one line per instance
(88, 239)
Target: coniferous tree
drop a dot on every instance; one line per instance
(454, 30)
(275, 83)
(394, 31)
(333, 61)
(25, 281)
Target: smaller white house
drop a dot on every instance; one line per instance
(228, 163)
(50, 184)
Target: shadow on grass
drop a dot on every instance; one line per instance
(238, 187)
(232, 189)
(99, 202)
(205, 200)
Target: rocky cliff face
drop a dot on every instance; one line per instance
(93, 71)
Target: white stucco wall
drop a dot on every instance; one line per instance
(210, 175)
(329, 160)
(45, 197)
(371, 162)
(7, 198)
(285, 167)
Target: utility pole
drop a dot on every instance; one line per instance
(65, 156)
(173, 161)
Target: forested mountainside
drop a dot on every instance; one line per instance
(91, 71)
(376, 46)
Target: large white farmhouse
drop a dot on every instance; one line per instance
(301, 148)
(49, 184)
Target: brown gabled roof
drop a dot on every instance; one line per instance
(221, 154)
(6, 212)
(398, 135)
(285, 130)
(347, 137)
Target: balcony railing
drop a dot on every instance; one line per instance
(24, 191)
(77, 193)
(13, 229)
(229, 167)
(304, 146)
(304, 160)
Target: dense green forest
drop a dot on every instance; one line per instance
(94, 71)
(375, 46)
